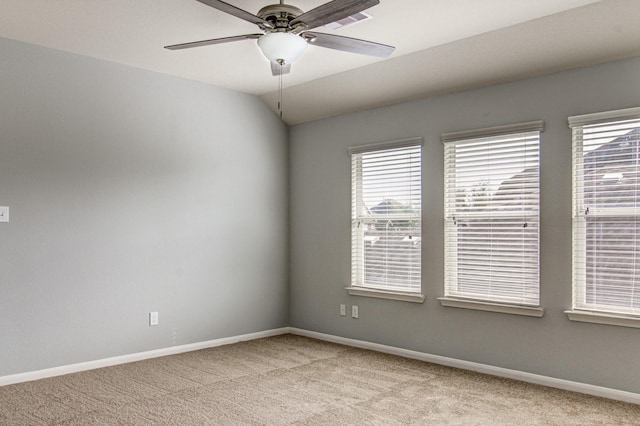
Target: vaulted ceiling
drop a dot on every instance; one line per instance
(442, 46)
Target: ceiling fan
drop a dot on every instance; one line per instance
(286, 31)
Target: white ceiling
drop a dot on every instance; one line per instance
(442, 46)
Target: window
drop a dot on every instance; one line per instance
(606, 212)
(492, 218)
(386, 233)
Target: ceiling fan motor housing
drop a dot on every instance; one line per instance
(280, 15)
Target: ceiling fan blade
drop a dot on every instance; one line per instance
(277, 69)
(237, 12)
(212, 41)
(332, 12)
(349, 44)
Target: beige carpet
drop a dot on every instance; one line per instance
(295, 380)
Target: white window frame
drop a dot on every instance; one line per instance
(583, 310)
(358, 286)
(482, 301)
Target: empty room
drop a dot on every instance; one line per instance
(319, 212)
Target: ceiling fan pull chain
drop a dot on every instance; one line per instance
(281, 63)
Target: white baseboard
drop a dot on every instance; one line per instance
(123, 359)
(600, 391)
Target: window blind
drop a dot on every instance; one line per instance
(606, 211)
(386, 216)
(492, 215)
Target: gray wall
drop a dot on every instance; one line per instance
(320, 231)
(130, 192)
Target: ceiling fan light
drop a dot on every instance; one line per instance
(280, 46)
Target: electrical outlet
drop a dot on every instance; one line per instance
(343, 310)
(4, 214)
(354, 311)
(153, 318)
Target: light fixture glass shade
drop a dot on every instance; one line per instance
(285, 47)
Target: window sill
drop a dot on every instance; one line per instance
(386, 294)
(529, 311)
(604, 318)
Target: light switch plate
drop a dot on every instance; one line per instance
(153, 318)
(4, 214)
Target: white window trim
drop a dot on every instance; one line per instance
(597, 117)
(390, 294)
(603, 318)
(588, 316)
(529, 126)
(401, 296)
(468, 303)
(386, 145)
(530, 311)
